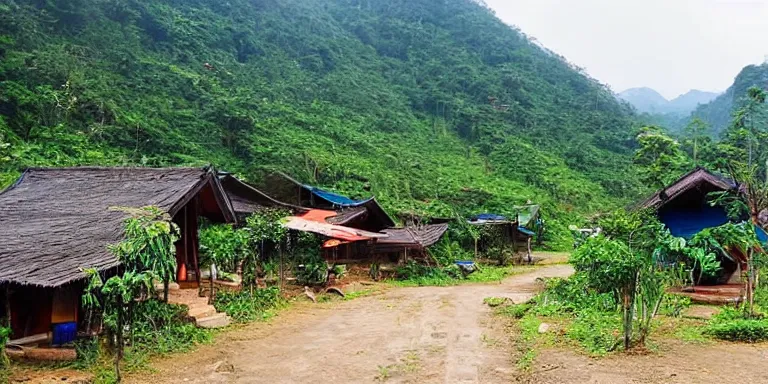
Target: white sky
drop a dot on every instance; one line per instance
(671, 46)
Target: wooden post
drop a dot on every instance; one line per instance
(282, 277)
(195, 242)
(8, 305)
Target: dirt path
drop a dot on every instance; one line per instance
(406, 335)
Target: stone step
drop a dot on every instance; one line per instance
(219, 320)
(199, 312)
(172, 287)
(188, 301)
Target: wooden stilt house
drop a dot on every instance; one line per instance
(56, 222)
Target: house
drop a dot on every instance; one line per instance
(247, 199)
(684, 207)
(409, 243)
(506, 232)
(56, 222)
(365, 214)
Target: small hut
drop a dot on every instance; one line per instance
(247, 199)
(409, 243)
(365, 214)
(685, 210)
(57, 222)
(502, 233)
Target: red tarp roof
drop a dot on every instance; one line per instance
(314, 221)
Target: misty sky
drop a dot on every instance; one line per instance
(668, 45)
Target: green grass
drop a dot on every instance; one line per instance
(359, 294)
(494, 301)
(526, 341)
(486, 274)
(489, 273)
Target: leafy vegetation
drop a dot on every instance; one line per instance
(719, 113)
(248, 304)
(738, 325)
(146, 253)
(422, 103)
(5, 333)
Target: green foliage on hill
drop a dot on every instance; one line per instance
(720, 112)
(435, 106)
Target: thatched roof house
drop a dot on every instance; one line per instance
(417, 238)
(365, 214)
(694, 185)
(247, 199)
(56, 221)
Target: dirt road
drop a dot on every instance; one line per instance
(405, 335)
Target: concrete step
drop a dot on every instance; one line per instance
(188, 301)
(219, 320)
(172, 287)
(199, 312)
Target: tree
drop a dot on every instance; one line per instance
(264, 226)
(751, 197)
(697, 130)
(150, 236)
(659, 157)
(623, 261)
(146, 253)
(747, 127)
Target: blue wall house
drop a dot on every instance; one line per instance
(684, 208)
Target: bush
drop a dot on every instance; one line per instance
(313, 271)
(597, 332)
(247, 305)
(516, 311)
(745, 330)
(414, 273)
(223, 245)
(161, 328)
(674, 305)
(494, 301)
(570, 295)
(5, 334)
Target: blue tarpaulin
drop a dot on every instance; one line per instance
(335, 198)
(761, 235)
(525, 231)
(490, 217)
(686, 223)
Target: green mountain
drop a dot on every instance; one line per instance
(719, 112)
(673, 114)
(645, 100)
(435, 106)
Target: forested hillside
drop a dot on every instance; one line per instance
(719, 113)
(435, 106)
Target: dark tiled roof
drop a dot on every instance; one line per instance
(55, 221)
(691, 180)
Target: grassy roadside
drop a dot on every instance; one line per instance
(486, 274)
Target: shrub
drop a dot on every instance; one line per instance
(161, 328)
(572, 295)
(248, 305)
(746, 330)
(313, 271)
(597, 332)
(5, 333)
(674, 305)
(516, 311)
(494, 301)
(223, 245)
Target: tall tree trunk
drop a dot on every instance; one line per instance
(120, 344)
(166, 286)
(627, 317)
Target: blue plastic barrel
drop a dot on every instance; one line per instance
(64, 333)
